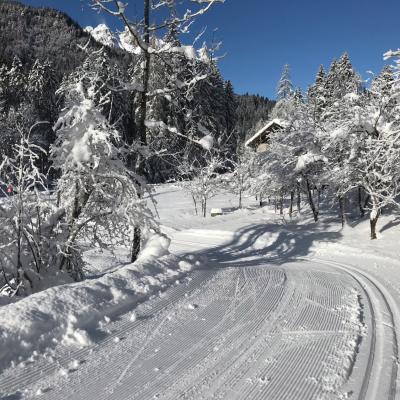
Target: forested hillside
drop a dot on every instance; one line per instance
(99, 115)
(39, 33)
(41, 47)
(252, 112)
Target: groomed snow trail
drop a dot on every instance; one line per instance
(261, 331)
(381, 376)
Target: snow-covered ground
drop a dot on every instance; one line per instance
(247, 305)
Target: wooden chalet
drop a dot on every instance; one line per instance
(259, 141)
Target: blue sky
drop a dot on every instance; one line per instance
(260, 36)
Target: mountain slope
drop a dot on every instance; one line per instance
(43, 33)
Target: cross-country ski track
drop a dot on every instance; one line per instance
(244, 327)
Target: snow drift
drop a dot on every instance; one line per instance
(64, 313)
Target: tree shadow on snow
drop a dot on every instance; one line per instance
(269, 243)
(390, 224)
(15, 396)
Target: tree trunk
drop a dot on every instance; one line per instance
(204, 207)
(373, 220)
(341, 210)
(240, 198)
(261, 200)
(281, 205)
(311, 202)
(360, 205)
(291, 204)
(195, 204)
(366, 201)
(142, 118)
(58, 198)
(298, 199)
(137, 233)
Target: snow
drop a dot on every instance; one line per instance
(102, 34)
(308, 159)
(207, 142)
(74, 335)
(63, 313)
(279, 309)
(125, 41)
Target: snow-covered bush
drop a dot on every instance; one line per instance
(240, 180)
(202, 180)
(30, 227)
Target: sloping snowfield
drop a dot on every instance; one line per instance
(268, 316)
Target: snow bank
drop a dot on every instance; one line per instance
(66, 314)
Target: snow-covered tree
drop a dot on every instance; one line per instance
(240, 179)
(16, 82)
(283, 109)
(202, 180)
(28, 233)
(294, 161)
(151, 51)
(99, 194)
(284, 89)
(317, 95)
(361, 142)
(340, 80)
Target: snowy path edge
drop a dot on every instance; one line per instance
(62, 313)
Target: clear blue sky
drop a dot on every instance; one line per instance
(260, 36)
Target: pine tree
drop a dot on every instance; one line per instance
(341, 80)
(317, 95)
(230, 119)
(41, 86)
(4, 86)
(285, 87)
(16, 82)
(384, 82)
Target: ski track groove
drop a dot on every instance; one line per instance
(230, 359)
(244, 315)
(356, 274)
(232, 326)
(232, 321)
(32, 373)
(128, 390)
(293, 359)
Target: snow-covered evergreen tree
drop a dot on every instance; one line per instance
(317, 94)
(283, 109)
(284, 89)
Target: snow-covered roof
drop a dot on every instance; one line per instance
(272, 124)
